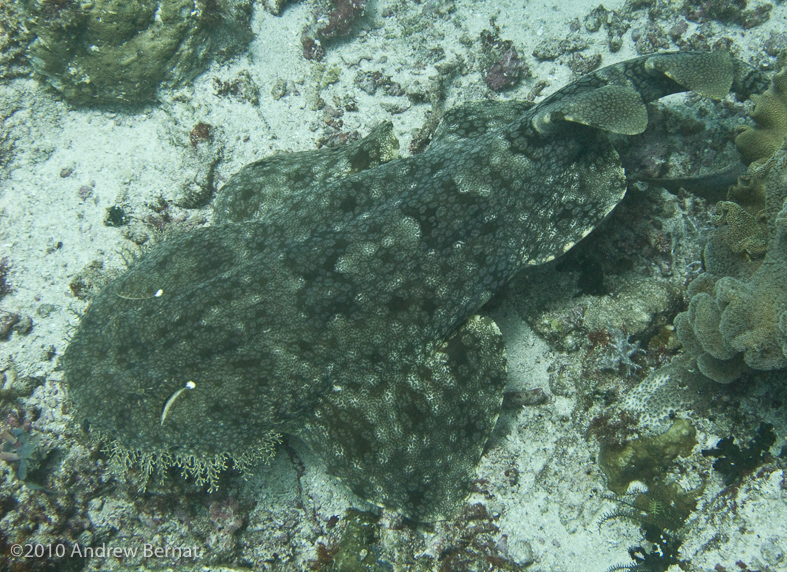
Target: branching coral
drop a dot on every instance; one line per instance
(619, 352)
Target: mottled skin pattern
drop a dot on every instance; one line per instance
(343, 313)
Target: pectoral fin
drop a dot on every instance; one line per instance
(409, 438)
(709, 74)
(613, 108)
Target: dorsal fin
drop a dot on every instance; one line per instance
(709, 74)
(613, 108)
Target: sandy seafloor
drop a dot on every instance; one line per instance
(539, 480)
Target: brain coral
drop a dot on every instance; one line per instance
(737, 316)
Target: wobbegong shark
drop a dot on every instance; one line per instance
(334, 296)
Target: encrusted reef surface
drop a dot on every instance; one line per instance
(118, 51)
(613, 448)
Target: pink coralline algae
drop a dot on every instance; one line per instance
(335, 24)
(506, 72)
(341, 18)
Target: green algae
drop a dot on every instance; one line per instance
(647, 458)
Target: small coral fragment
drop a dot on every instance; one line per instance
(336, 20)
(201, 133)
(500, 62)
(619, 352)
